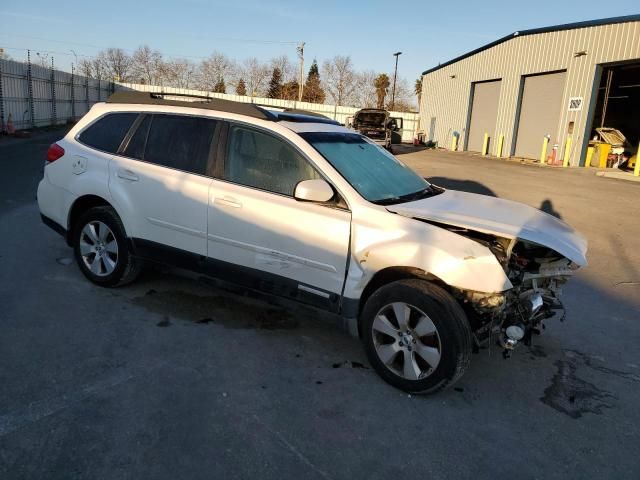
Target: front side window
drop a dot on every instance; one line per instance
(107, 133)
(263, 161)
(176, 141)
(376, 174)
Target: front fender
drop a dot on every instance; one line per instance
(404, 242)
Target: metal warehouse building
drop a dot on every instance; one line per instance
(562, 82)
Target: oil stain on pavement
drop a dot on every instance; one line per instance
(574, 396)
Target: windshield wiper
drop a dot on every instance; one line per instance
(427, 192)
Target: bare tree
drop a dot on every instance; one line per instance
(214, 69)
(42, 59)
(287, 69)
(85, 67)
(405, 100)
(255, 75)
(179, 73)
(116, 63)
(340, 79)
(365, 93)
(146, 65)
(93, 67)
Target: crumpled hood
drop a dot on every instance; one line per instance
(499, 217)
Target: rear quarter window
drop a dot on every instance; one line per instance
(107, 133)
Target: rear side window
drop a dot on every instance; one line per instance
(179, 142)
(135, 148)
(107, 133)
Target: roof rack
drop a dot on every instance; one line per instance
(211, 103)
(309, 113)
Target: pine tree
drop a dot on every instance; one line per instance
(275, 85)
(241, 88)
(220, 86)
(313, 91)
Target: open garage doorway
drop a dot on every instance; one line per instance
(616, 118)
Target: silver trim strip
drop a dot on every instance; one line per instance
(320, 293)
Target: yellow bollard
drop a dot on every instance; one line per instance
(604, 149)
(485, 144)
(567, 152)
(587, 162)
(500, 145)
(636, 170)
(454, 143)
(543, 152)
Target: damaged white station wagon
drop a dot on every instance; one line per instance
(296, 205)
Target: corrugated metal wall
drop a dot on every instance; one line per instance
(337, 112)
(39, 109)
(445, 92)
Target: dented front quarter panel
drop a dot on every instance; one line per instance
(385, 240)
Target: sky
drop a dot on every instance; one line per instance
(370, 32)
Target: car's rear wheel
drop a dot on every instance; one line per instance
(416, 336)
(101, 248)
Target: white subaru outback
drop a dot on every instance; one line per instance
(296, 205)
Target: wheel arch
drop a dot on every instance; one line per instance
(81, 205)
(392, 274)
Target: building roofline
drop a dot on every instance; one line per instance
(534, 31)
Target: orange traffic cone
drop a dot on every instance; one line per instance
(11, 130)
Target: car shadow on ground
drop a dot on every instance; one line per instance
(462, 185)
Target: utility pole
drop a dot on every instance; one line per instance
(300, 50)
(395, 74)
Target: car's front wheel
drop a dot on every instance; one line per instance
(101, 248)
(416, 336)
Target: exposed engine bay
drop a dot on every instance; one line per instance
(537, 274)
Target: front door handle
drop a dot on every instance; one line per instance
(127, 175)
(227, 202)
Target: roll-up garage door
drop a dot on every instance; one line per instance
(484, 113)
(540, 107)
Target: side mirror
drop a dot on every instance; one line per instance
(313, 191)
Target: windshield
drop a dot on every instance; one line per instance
(370, 118)
(376, 174)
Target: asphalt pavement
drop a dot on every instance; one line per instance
(173, 377)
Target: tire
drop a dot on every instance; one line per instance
(435, 336)
(102, 250)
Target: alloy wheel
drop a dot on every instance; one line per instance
(406, 341)
(98, 248)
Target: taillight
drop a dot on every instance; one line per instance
(54, 153)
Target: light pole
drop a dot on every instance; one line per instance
(395, 74)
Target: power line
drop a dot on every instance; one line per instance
(129, 50)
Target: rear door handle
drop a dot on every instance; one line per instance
(127, 175)
(227, 202)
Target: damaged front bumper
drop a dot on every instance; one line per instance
(514, 316)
